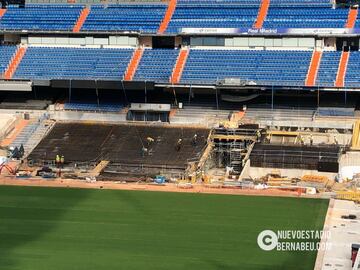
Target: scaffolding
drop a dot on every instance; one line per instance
(231, 147)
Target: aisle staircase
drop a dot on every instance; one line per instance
(340, 77)
(313, 68)
(81, 20)
(263, 11)
(133, 65)
(167, 17)
(14, 62)
(179, 66)
(352, 17)
(2, 12)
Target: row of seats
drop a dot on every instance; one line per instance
(202, 66)
(146, 18)
(102, 107)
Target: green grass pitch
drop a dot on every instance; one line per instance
(62, 229)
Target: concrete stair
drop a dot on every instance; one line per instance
(39, 133)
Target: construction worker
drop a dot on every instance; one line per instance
(268, 138)
(62, 161)
(57, 161)
(311, 139)
(144, 151)
(178, 145)
(301, 139)
(21, 151)
(149, 141)
(194, 140)
(258, 135)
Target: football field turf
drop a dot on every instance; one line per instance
(83, 229)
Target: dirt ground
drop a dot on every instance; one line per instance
(198, 188)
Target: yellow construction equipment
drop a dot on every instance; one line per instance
(99, 167)
(355, 142)
(348, 195)
(315, 178)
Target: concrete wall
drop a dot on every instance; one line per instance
(255, 172)
(81, 41)
(146, 42)
(87, 116)
(258, 42)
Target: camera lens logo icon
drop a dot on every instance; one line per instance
(267, 240)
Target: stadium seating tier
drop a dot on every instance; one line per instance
(73, 63)
(147, 17)
(156, 65)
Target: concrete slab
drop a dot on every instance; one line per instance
(343, 233)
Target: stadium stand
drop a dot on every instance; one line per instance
(171, 18)
(208, 66)
(202, 66)
(257, 2)
(41, 17)
(305, 17)
(156, 65)
(71, 63)
(125, 17)
(328, 68)
(212, 16)
(190, 66)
